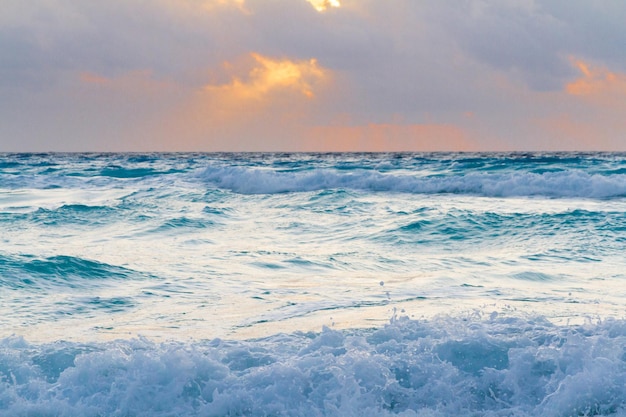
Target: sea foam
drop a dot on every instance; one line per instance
(473, 365)
(558, 184)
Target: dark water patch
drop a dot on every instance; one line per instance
(592, 233)
(442, 228)
(329, 196)
(179, 224)
(23, 272)
(308, 264)
(93, 306)
(472, 286)
(114, 304)
(299, 261)
(416, 226)
(66, 266)
(126, 172)
(9, 164)
(216, 211)
(143, 158)
(562, 256)
(615, 171)
(77, 214)
(268, 265)
(213, 196)
(534, 276)
(13, 219)
(51, 170)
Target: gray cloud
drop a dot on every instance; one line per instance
(594, 29)
(530, 39)
(337, 38)
(535, 39)
(423, 61)
(521, 39)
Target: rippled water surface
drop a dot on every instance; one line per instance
(182, 249)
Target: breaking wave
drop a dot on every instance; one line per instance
(560, 184)
(491, 366)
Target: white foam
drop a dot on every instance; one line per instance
(490, 366)
(551, 184)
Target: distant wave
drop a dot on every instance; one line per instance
(559, 184)
(447, 367)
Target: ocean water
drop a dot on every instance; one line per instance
(313, 284)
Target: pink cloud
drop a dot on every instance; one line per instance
(598, 84)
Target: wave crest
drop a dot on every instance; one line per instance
(560, 184)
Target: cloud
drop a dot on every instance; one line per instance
(266, 99)
(171, 38)
(259, 74)
(598, 83)
(587, 114)
(593, 29)
(601, 94)
(268, 75)
(533, 40)
(515, 37)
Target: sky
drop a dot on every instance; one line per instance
(312, 75)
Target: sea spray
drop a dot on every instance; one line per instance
(493, 365)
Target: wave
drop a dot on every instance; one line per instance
(124, 172)
(559, 184)
(436, 228)
(600, 176)
(77, 214)
(31, 272)
(494, 365)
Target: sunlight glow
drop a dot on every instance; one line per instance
(270, 74)
(322, 5)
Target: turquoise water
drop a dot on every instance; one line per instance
(312, 284)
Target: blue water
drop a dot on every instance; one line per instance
(313, 284)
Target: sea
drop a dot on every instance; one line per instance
(305, 284)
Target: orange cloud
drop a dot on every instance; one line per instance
(263, 98)
(388, 138)
(269, 75)
(589, 113)
(597, 82)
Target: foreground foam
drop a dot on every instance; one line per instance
(492, 366)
